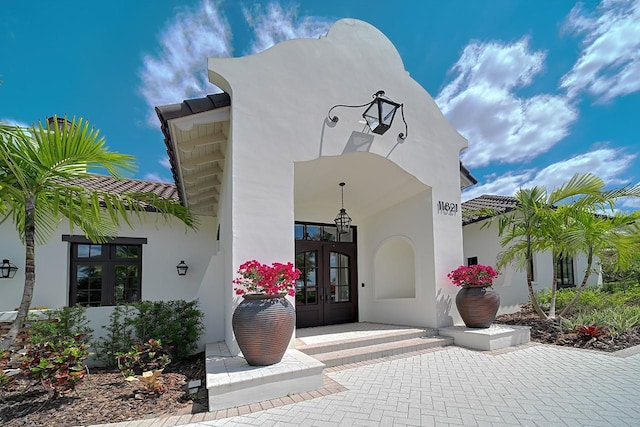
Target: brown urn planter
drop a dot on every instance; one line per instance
(477, 305)
(263, 325)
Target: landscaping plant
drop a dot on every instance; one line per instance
(567, 221)
(145, 363)
(151, 356)
(61, 324)
(58, 365)
(274, 279)
(177, 324)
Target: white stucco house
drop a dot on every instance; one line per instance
(260, 165)
(481, 245)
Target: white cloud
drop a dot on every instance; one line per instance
(500, 126)
(156, 177)
(164, 162)
(629, 204)
(273, 24)
(12, 122)
(609, 65)
(179, 71)
(505, 185)
(607, 163)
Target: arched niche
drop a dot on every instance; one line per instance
(395, 269)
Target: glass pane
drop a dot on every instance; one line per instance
(306, 263)
(127, 251)
(312, 296)
(333, 259)
(343, 276)
(342, 295)
(344, 261)
(299, 232)
(346, 237)
(89, 285)
(311, 277)
(126, 283)
(330, 234)
(314, 232)
(388, 111)
(89, 251)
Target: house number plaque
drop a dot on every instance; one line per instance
(447, 208)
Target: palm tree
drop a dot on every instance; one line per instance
(528, 227)
(39, 168)
(597, 235)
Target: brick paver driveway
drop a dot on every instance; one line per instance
(534, 385)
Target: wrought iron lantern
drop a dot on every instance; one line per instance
(7, 269)
(182, 268)
(343, 220)
(379, 114)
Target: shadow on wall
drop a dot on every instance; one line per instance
(443, 308)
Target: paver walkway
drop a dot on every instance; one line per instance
(533, 385)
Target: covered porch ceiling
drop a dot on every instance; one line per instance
(197, 136)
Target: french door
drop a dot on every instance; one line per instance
(326, 292)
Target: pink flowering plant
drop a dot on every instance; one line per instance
(274, 279)
(473, 275)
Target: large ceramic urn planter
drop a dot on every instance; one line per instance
(263, 325)
(477, 305)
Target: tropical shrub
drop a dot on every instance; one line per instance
(119, 337)
(618, 319)
(60, 325)
(178, 324)
(152, 356)
(58, 365)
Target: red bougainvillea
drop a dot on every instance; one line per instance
(271, 279)
(473, 275)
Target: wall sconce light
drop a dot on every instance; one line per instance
(7, 269)
(343, 221)
(182, 268)
(379, 114)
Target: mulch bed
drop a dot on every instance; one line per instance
(548, 332)
(105, 397)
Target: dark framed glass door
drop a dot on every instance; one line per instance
(326, 292)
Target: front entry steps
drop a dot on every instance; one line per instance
(357, 342)
(231, 382)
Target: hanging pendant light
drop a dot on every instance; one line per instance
(343, 220)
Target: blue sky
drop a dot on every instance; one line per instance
(541, 89)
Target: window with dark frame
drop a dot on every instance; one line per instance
(564, 272)
(105, 274)
(472, 260)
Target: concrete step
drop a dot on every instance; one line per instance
(350, 354)
(364, 341)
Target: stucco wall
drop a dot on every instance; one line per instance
(167, 244)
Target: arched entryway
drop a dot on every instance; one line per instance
(342, 280)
